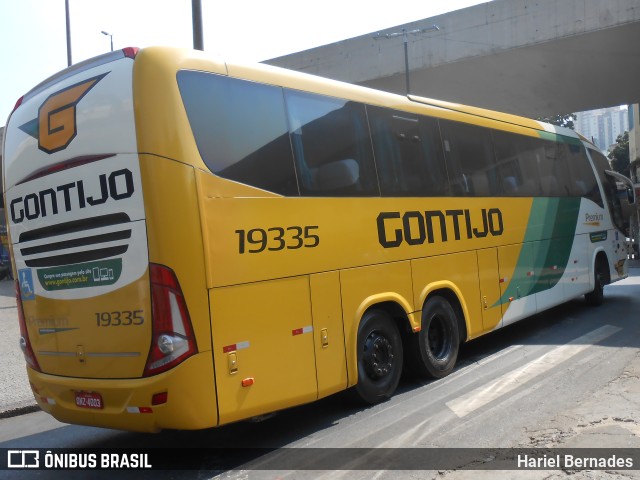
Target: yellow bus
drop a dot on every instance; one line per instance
(198, 242)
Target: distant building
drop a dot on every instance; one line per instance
(603, 125)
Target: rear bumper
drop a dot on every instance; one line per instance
(191, 399)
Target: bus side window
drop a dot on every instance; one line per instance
(240, 129)
(582, 178)
(407, 152)
(470, 159)
(518, 157)
(331, 145)
(553, 170)
(431, 143)
(610, 189)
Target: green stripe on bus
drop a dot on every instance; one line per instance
(549, 237)
(555, 137)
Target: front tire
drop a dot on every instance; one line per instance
(596, 296)
(432, 353)
(380, 357)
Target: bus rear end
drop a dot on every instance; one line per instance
(106, 330)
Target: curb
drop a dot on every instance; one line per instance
(19, 411)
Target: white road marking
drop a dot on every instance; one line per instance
(486, 394)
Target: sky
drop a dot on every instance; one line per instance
(33, 33)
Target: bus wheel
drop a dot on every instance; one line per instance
(432, 353)
(379, 357)
(596, 296)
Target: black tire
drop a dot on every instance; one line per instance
(380, 357)
(432, 353)
(596, 296)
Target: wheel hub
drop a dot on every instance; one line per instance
(378, 356)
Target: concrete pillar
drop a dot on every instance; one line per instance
(634, 170)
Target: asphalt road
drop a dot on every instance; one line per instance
(565, 378)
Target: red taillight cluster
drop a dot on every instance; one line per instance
(173, 339)
(130, 52)
(18, 103)
(25, 344)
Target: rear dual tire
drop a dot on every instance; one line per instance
(433, 352)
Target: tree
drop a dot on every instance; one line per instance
(562, 120)
(619, 154)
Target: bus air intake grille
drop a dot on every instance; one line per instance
(77, 241)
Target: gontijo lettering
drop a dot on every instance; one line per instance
(117, 185)
(414, 227)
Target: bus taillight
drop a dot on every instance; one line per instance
(18, 103)
(173, 338)
(25, 344)
(130, 52)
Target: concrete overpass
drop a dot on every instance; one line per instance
(529, 57)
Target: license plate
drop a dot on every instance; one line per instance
(89, 400)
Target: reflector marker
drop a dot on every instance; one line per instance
(47, 400)
(530, 274)
(504, 280)
(247, 382)
(300, 331)
(139, 410)
(235, 346)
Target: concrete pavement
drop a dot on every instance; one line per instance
(15, 393)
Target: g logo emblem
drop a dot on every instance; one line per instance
(57, 116)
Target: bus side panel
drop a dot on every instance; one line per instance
(517, 275)
(263, 344)
(175, 236)
(489, 280)
(175, 240)
(366, 286)
(331, 363)
(576, 280)
(550, 290)
(462, 279)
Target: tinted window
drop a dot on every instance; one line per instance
(470, 159)
(332, 146)
(582, 178)
(240, 128)
(610, 188)
(408, 153)
(517, 158)
(531, 166)
(554, 171)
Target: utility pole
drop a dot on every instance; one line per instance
(196, 14)
(66, 8)
(405, 40)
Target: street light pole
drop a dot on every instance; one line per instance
(405, 40)
(196, 17)
(110, 35)
(66, 11)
